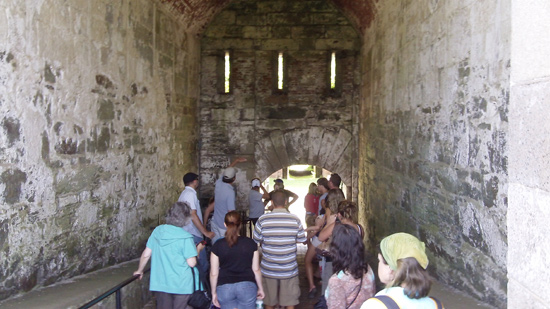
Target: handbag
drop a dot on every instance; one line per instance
(199, 299)
(323, 249)
(321, 303)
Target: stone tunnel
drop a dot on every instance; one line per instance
(434, 117)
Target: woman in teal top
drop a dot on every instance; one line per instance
(173, 254)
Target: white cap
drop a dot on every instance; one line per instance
(229, 173)
(255, 182)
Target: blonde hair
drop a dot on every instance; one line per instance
(312, 188)
(410, 275)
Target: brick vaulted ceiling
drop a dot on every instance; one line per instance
(197, 14)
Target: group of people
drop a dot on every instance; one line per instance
(239, 274)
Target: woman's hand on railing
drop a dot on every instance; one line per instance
(138, 273)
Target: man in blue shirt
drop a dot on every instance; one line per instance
(224, 195)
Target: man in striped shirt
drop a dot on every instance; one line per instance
(278, 232)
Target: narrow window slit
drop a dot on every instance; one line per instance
(227, 72)
(333, 70)
(280, 71)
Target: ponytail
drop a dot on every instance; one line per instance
(233, 223)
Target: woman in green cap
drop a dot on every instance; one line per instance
(402, 263)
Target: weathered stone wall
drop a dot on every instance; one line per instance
(434, 132)
(307, 124)
(529, 188)
(97, 125)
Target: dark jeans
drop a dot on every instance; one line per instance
(172, 301)
(202, 263)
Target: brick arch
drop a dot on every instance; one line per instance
(197, 14)
(329, 148)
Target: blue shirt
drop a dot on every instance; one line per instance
(322, 198)
(224, 194)
(171, 246)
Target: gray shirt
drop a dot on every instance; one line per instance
(224, 194)
(257, 207)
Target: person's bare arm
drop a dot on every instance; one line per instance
(237, 161)
(265, 194)
(214, 271)
(207, 213)
(258, 274)
(326, 231)
(198, 224)
(292, 195)
(145, 256)
(192, 261)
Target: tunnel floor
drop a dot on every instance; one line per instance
(78, 290)
(451, 298)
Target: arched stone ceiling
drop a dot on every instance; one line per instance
(197, 14)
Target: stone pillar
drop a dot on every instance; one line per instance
(529, 186)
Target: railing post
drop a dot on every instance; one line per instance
(118, 300)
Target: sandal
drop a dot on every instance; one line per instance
(311, 294)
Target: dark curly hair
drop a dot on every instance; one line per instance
(348, 251)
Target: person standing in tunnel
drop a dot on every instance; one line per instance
(323, 187)
(255, 200)
(278, 232)
(173, 254)
(311, 202)
(334, 181)
(280, 185)
(224, 194)
(195, 226)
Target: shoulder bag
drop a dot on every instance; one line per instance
(199, 299)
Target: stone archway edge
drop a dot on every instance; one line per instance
(318, 146)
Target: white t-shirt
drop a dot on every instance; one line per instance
(189, 195)
(401, 299)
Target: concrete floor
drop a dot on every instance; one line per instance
(79, 290)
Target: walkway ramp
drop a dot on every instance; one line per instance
(79, 290)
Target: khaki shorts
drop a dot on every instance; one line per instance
(285, 292)
(310, 220)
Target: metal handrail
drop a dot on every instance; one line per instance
(115, 289)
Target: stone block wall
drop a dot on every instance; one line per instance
(97, 126)
(306, 124)
(434, 135)
(529, 190)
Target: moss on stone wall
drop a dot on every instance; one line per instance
(90, 151)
